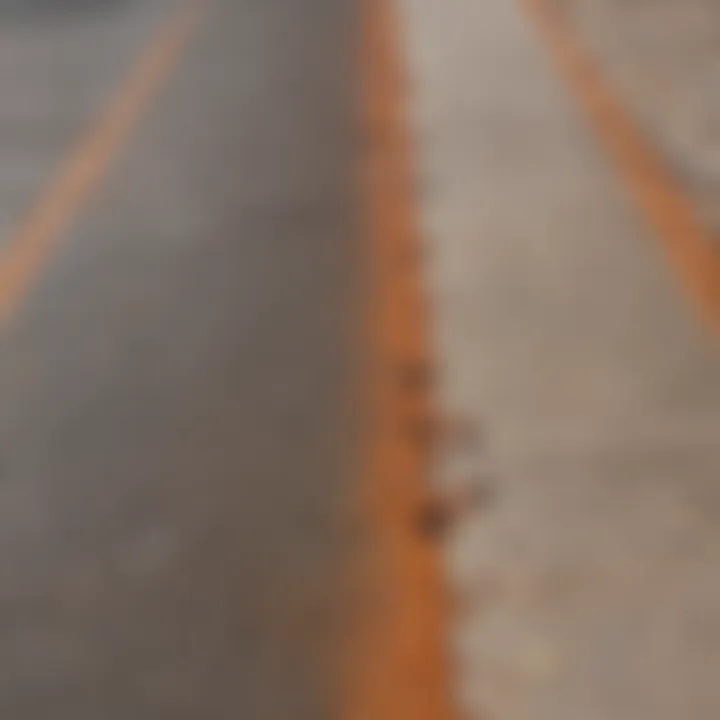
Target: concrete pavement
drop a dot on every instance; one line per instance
(176, 438)
(178, 368)
(589, 587)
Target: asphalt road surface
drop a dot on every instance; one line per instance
(176, 420)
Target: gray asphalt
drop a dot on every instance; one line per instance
(176, 419)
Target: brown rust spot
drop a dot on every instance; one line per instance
(398, 671)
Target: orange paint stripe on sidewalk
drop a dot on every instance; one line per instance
(32, 245)
(401, 673)
(689, 247)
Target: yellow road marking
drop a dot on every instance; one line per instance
(689, 247)
(32, 244)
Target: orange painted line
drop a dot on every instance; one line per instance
(690, 249)
(32, 245)
(401, 670)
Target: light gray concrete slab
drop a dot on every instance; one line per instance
(591, 585)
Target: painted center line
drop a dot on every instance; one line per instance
(32, 244)
(690, 249)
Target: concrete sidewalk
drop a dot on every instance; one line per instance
(591, 586)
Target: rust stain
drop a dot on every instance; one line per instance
(401, 671)
(689, 247)
(32, 245)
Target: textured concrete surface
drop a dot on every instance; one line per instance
(590, 587)
(175, 434)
